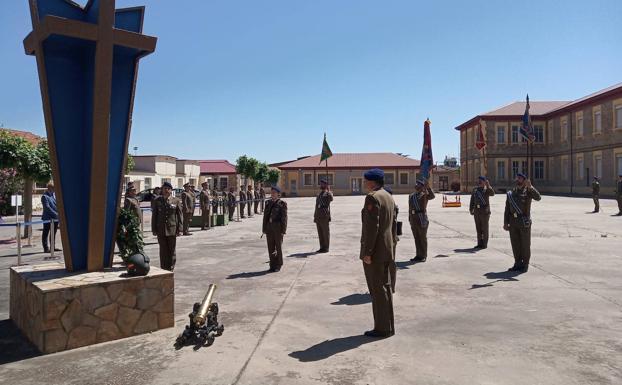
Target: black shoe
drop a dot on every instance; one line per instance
(57, 249)
(478, 246)
(46, 250)
(419, 259)
(377, 334)
(514, 268)
(483, 247)
(276, 269)
(523, 268)
(321, 251)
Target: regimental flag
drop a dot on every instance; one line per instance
(480, 143)
(326, 152)
(427, 160)
(525, 130)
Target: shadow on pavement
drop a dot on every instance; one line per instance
(14, 346)
(404, 264)
(251, 274)
(501, 276)
(441, 256)
(353, 299)
(329, 348)
(301, 255)
(470, 250)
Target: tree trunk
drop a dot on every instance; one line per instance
(28, 185)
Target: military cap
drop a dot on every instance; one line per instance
(323, 181)
(276, 188)
(481, 177)
(596, 178)
(522, 175)
(204, 183)
(388, 189)
(186, 184)
(375, 174)
(421, 182)
(167, 184)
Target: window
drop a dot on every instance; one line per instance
(329, 179)
(515, 169)
(564, 130)
(538, 132)
(515, 134)
(193, 181)
(180, 182)
(538, 169)
(501, 170)
(147, 183)
(618, 116)
(389, 178)
(307, 179)
(579, 126)
(619, 164)
(598, 166)
(598, 122)
(524, 167)
(565, 168)
(580, 168)
(166, 180)
(224, 183)
(500, 135)
(403, 178)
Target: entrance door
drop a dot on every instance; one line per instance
(293, 187)
(357, 185)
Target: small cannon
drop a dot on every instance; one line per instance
(203, 327)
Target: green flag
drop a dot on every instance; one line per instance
(326, 152)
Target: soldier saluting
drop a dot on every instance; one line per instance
(275, 227)
(377, 251)
(321, 216)
(479, 207)
(418, 218)
(166, 224)
(517, 220)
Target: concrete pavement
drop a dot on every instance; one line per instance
(460, 317)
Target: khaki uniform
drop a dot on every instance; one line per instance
(187, 206)
(479, 207)
(596, 195)
(418, 218)
(377, 240)
(619, 196)
(133, 205)
(231, 204)
(256, 203)
(262, 198)
(322, 218)
(393, 266)
(166, 223)
(275, 227)
(249, 202)
(242, 203)
(206, 209)
(518, 218)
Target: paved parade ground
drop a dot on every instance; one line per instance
(460, 317)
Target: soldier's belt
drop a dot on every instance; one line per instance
(417, 212)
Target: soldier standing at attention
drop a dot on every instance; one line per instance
(231, 202)
(418, 218)
(256, 196)
(249, 198)
(595, 194)
(376, 253)
(206, 206)
(242, 201)
(187, 206)
(321, 216)
(517, 220)
(131, 203)
(262, 198)
(479, 207)
(619, 194)
(166, 224)
(275, 227)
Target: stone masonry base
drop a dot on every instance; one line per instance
(58, 310)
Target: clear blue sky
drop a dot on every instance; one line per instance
(268, 78)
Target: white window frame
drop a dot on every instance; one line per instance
(304, 179)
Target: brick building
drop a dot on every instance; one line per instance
(575, 140)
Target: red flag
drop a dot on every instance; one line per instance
(480, 143)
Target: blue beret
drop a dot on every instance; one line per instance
(167, 184)
(481, 177)
(375, 174)
(388, 189)
(421, 182)
(276, 188)
(524, 176)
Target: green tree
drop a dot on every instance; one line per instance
(31, 163)
(247, 167)
(262, 173)
(130, 164)
(273, 176)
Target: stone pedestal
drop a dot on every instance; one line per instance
(58, 310)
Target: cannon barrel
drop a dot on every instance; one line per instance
(201, 315)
